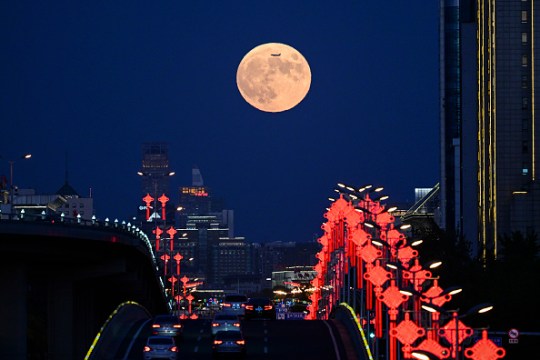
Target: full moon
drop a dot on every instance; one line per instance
(273, 77)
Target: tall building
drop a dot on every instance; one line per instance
(197, 200)
(450, 117)
(489, 134)
(155, 175)
(155, 170)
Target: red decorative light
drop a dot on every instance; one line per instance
(448, 331)
(348, 252)
(393, 237)
(407, 331)
(384, 219)
(177, 258)
(369, 253)
(359, 237)
(147, 200)
(405, 254)
(165, 258)
(485, 349)
(171, 232)
(377, 275)
(163, 200)
(433, 347)
(391, 296)
(433, 295)
(158, 233)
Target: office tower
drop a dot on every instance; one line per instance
(197, 199)
(230, 259)
(450, 118)
(497, 135)
(155, 175)
(155, 170)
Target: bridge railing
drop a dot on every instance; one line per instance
(61, 219)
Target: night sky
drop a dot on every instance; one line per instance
(91, 81)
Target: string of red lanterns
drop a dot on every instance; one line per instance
(360, 237)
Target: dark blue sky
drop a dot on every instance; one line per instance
(97, 79)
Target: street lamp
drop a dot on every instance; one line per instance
(11, 162)
(460, 331)
(154, 177)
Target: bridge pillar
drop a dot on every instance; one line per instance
(60, 322)
(13, 311)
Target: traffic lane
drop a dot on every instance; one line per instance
(195, 343)
(290, 339)
(265, 339)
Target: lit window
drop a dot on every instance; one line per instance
(523, 38)
(524, 171)
(524, 60)
(524, 16)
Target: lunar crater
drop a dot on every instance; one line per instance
(273, 83)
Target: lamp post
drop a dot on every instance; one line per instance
(154, 178)
(148, 199)
(11, 188)
(459, 332)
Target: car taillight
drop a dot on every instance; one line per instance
(177, 326)
(249, 307)
(147, 348)
(241, 342)
(216, 324)
(236, 324)
(243, 305)
(155, 326)
(174, 349)
(226, 305)
(218, 342)
(267, 307)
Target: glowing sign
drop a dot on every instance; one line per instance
(195, 191)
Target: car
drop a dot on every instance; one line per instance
(224, 321)
(260, 308)
(168, 325)
(234, 303)
(160, 347)
(229, 342)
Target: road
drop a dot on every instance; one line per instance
(265, 339)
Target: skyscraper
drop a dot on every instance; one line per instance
(197, 199)
(494, 167)
(155, 174)
(450, 115)
(155, 168)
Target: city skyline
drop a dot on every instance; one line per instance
(93, 83)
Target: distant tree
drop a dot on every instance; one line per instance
(513, 279)
(519, 249)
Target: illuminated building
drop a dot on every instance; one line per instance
(197, 200)
(491, 122)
